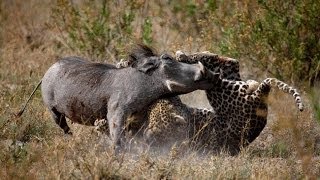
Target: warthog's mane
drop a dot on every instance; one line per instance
(86, 71)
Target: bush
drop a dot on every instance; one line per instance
(279, 37)
(98, 30)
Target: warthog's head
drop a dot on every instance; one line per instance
(181, 77)
(178, 77)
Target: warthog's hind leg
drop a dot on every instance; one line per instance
(60, 119)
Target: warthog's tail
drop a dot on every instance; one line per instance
(25, 105)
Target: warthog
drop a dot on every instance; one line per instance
(84, 91)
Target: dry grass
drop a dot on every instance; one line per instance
(34, 147)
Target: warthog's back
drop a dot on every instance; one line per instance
(72, 86)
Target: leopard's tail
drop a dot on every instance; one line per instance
(273, 82)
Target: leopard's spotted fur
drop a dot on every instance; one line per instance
(167, 121)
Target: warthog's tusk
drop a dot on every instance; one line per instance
(172, 84)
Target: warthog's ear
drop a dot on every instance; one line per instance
(146, 65)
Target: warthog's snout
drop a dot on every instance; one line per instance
(197, 76)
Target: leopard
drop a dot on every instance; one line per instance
(240, 107)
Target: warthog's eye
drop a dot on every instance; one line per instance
(166, 57)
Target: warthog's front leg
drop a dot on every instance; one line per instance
(116, 117)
